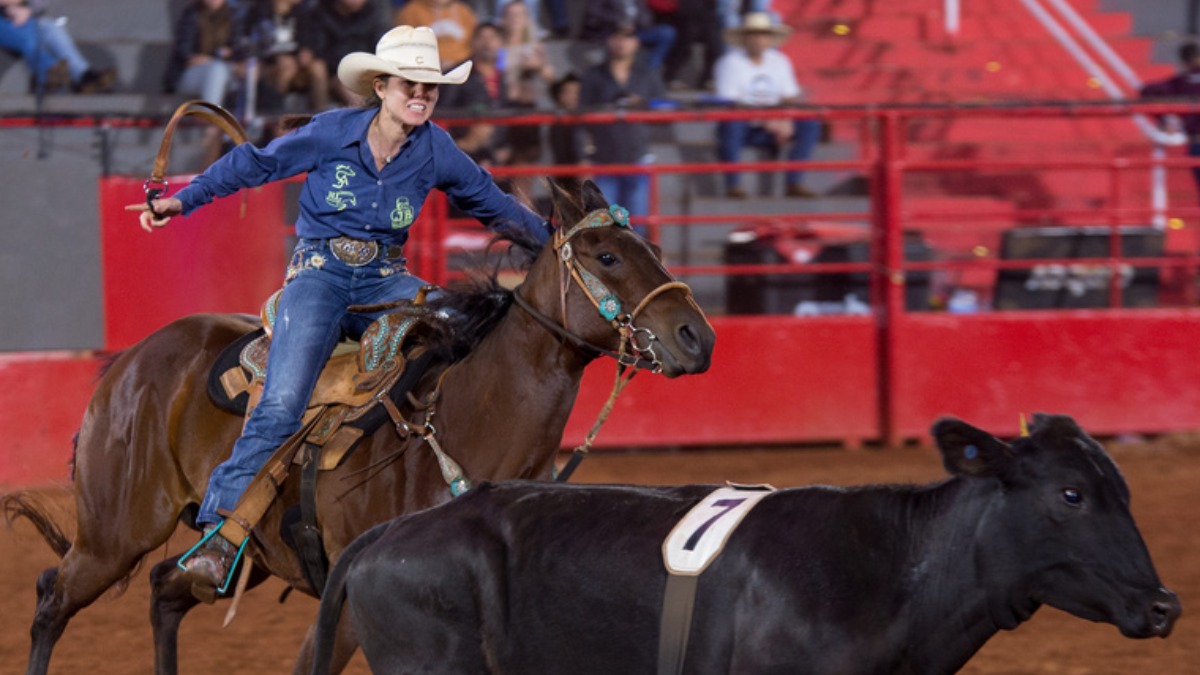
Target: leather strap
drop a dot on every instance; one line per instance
(210, 112)
(679, 599)
(156, 185)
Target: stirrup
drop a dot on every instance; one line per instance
(232, 565)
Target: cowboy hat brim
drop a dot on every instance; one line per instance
(736, 36)
(358, 69)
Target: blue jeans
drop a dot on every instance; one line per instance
(42, 43)
(735, 135)
(209, 81)
(311, 319)
(657, 41)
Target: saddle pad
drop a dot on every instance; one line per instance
(700, 536)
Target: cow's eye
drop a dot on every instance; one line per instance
(1072, 496)
(607, 259)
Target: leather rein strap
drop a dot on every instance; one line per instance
(156, 185)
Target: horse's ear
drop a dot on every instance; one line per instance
(567, 210)
(593, 198)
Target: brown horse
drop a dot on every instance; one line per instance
(151, 435)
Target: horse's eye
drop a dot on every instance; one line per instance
(1072, 496)
(607, 259)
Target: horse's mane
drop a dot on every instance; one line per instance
(460, 318)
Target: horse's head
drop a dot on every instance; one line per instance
(605, 285)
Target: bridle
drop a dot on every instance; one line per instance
(637, 344)
(636, 351)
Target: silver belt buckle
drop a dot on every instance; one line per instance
(354, 252)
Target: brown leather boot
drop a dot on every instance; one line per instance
(210, 563)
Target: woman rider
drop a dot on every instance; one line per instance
(369, 171)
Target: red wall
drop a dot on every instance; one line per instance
(42, 399)
(216, 260)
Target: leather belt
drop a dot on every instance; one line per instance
(359, 252)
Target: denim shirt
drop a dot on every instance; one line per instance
(344, 195)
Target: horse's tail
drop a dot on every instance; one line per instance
(21, 504)
(334, 597)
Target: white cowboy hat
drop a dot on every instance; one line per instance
(404, 51)
(757, 22)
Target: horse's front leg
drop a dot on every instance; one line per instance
(171, 598)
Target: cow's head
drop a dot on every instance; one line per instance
(1058, 529)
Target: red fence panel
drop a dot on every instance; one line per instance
(216, 260)
(771, 381)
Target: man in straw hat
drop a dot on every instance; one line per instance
(369, 171)
(755, 73)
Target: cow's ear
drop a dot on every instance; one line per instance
(969, 451)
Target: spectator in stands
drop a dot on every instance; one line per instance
(49, 51)
(452, 20)
(603, 17)
(567, 141)
(208, 59)
(342, 27)
(1184, 85)
(482, 94)
(731, 11)
(527, 75)
(695, 23)
(523, 56)
(369, 171)
(755, 74)
(283, 35)
(623, 81)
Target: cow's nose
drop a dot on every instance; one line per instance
(1163, 613)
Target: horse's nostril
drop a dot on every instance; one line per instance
(688, 340)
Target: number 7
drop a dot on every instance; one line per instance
(728, 505)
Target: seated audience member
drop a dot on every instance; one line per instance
(341, 27)
(283, 33)
(754, 73)
(483, 93)
(523, 56)
(1185, 85)
(602, 17)
(49, 51)
(453, 21)
(208, 59)
(696, 24)
(622, 81)
(567, 141)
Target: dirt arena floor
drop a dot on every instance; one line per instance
(113, 635)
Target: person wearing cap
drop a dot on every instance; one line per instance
(754, 73)
(369, 171)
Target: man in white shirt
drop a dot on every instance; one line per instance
(756, 74)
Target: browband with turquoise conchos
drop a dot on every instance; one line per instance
(605, 301)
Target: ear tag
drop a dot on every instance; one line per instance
(1024, 426)
(970, 452)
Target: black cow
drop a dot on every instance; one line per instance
(533, 578)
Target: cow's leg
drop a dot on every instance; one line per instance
(171, 598)
(344, 646)
(64, 590)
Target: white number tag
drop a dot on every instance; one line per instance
(698, 538)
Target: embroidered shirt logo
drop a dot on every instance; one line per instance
(402, 215)
(337, 197)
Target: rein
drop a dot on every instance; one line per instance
(156, 185)
(636, 348)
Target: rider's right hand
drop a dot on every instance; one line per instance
(166, 208)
